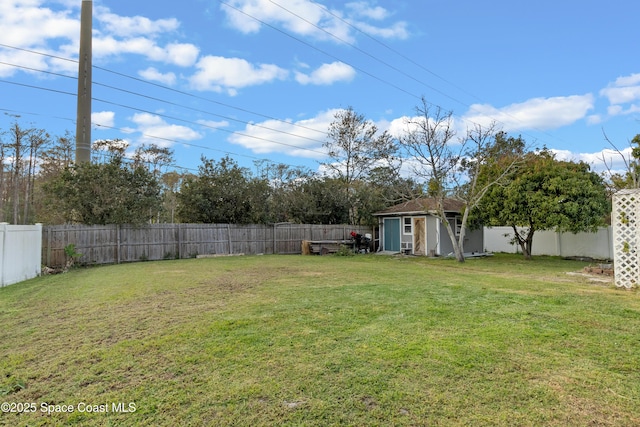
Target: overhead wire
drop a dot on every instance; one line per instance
(395, 51)
(375, 58)
(158, 85)
(178, 105)
(146, 135)
(262, 115)
(322, 7)
(320, 50)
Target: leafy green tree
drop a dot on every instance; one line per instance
(222, 192)
(285, 190)
(543, 193)
(382, 187)
(105, 193)
(355, 147)
(322, 201)
(171, 183)
(52, 161)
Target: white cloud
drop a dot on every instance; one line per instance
(131, 26)
(103, 118)
(25, 23)
(536, 113)
(402, 125)
(151, 125)
(594, 119)
(182, 54)
(153, 74)
(600, 161)
(177, 54)
(211, 124)
(303, 138)
(218, 74)
(363, 8)
(398, 30)
(310, 19)
(622, 95)
(31, 25)
(327, 74)
(625, 90)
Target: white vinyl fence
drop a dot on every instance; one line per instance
(20, 252)
(598, 245)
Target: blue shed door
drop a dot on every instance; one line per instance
(392, 234)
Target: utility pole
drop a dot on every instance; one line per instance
(83, 120)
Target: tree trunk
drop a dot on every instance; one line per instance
(457, 248)
(525, 242)
(529, 244)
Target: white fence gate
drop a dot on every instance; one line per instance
(20, 252)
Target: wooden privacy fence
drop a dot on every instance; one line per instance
(113, 244)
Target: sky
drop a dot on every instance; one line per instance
(263, 79)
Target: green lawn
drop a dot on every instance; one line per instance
(321, 341)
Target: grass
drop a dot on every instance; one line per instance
(323, 341)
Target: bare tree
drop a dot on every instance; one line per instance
(153, 157)
(109, 150)
(462, 170)
(16, 152)
(631, 176)
(37, 138)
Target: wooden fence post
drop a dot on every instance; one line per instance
(48, 246)
(118, 249)
(179, 249)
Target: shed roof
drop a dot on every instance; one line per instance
(421, 206)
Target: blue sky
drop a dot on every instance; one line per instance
(262, 79)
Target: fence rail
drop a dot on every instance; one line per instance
(113, 244)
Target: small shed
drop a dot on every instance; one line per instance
(413, 227)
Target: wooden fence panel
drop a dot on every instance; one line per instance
(110, 244)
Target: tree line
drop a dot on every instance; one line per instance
(39, 182)
(498, 177)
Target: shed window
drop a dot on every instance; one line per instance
(407, 226)
(456, 225)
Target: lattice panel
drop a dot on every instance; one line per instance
(625, 219)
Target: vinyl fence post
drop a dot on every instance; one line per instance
(3, 228)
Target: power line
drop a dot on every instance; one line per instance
(202, 98)
(322, 7)
(205, 112)
(244, 110)
(386, 46)
(367, 53)
(321, 51)
(188, 144)
(208, 126)
(37, 87)
(176, 118)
